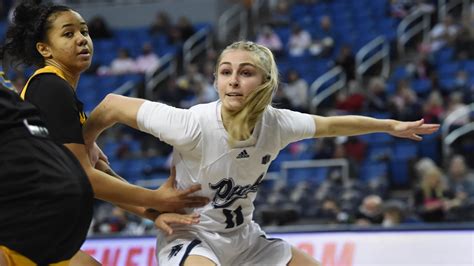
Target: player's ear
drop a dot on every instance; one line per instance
(43, 49)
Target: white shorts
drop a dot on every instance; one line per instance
(247, 245)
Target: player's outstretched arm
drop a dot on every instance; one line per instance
(357, 125)
(113, 109)
(107, 187)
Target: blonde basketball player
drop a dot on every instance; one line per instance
(227, 146)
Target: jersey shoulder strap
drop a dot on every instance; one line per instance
(43, 70)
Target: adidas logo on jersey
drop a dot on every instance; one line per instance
(243, 154)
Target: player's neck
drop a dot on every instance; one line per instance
(70, 77)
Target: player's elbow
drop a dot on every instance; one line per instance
(110, 107)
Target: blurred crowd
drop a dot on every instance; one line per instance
(435, 82)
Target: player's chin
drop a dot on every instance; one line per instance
(233, 106)
(83, 66)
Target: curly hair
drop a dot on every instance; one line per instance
(31, 21)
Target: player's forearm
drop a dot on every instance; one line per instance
(100, 119)
(109, 188)
(350, 125)
(139, 211)
(113, 109)
(104, 167)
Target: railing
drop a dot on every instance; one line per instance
(167, 68)
(234, 17)
(381, 52)
(343, 163)
(445, 7)
(196, 44)
(455, 134)
(410, 26)
(258, 6)
(449, 137)
(318, 98)
(128, 88)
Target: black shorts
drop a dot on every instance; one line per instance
(45, 198)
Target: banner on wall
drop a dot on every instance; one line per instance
(402, 248)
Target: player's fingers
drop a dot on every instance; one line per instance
(163, 226)
(186, 219)
(172, 178)
(196, 203)
(190, 190)
(416, 137)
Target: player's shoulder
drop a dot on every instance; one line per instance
(272, 113)
(50, 83)
(204, 107)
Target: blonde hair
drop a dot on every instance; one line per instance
(426, 186)
(243, 121)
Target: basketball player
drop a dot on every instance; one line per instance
(227, 146)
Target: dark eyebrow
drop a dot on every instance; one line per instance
(72, 25)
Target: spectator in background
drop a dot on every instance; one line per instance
(267, 37)
(160, 25)
(281, 14)
(431, 198)
(370, 211)
(455, 103)
(464, 86)
(465, 39)
(114, 223)
(460, 178)
(170, 94)
(329, 211)
(148, 61)
(208, 92)
(182, 31)
(280, 100)
(350, 100)
(394, 213)
(355, 149)
(405, 102)
(346, 60)
(296, 90)
(376, 95)
(323, 43)
(433, 108)
(98, 28)
(443, 33)
(299, 41)
(398, 9)
(123, 64)
(421, 68)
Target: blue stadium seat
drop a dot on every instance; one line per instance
(444, 55)
(405, 150)
(430, 146)
(106, 85)
(421, 86)
(399, 172)
(448, 69)
(447, 84)
(371, 170)
(133, 169)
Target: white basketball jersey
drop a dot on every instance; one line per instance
(230, 176)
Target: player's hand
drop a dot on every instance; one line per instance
(96, 154)
(171, 199)
(412, 130)
(164, 220)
